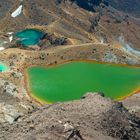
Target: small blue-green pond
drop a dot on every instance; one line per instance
(3, 67)
(29, 37)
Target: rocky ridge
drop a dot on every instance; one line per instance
(11, 105)
(92, 117)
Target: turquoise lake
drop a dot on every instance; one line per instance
(29, 37)
(3, 68)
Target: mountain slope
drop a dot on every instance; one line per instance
(93, 117)
(79, 21)
(131, 7)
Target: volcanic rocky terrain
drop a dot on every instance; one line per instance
(99, 30)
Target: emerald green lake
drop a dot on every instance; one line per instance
(29, 37)
(72, 80)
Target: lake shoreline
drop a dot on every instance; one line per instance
(27, 87)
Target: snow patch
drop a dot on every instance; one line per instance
(10, 33)
(17, 12)
(2, 48)
(10, 38)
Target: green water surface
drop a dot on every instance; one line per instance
(29, 37)
(72, 80)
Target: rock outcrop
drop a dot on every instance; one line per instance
(11, 106)
(92, 117)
